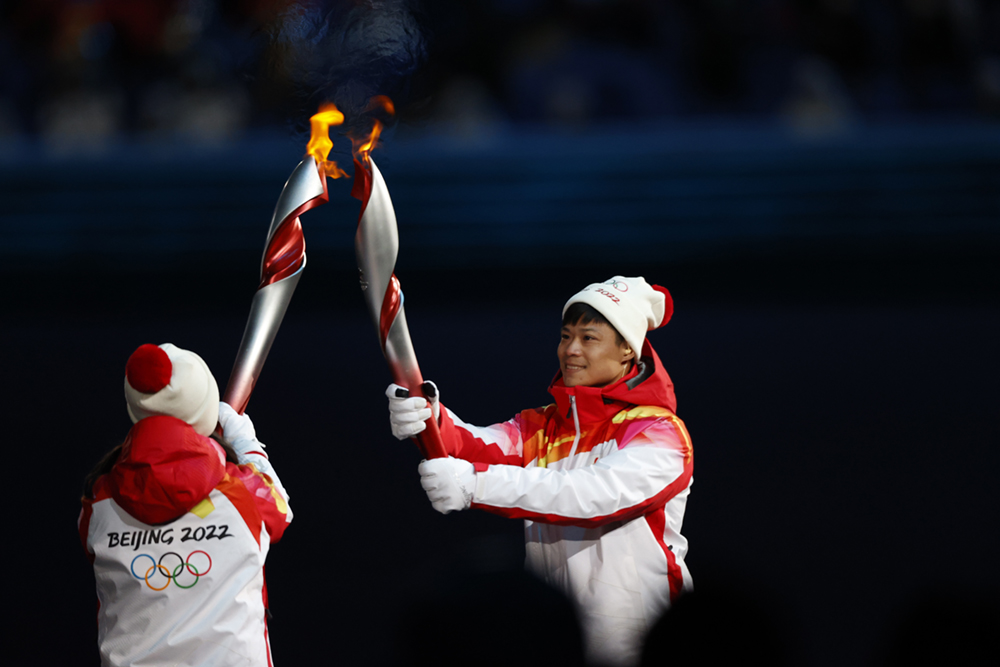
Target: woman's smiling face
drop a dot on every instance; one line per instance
(591, 356)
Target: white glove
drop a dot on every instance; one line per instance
(449, 483)
(237, 428)
(407, 415)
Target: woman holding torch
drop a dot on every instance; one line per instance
(601, 477)
(178, 524)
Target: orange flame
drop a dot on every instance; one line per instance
(363, 146)
(319, 145)
(384, 102)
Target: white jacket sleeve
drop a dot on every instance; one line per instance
(644, 474)
(499, 443)
(251, 451)
(242, 436)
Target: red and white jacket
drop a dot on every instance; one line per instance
(601, 478)
(178, 539)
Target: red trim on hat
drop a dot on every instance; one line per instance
(668, 304)
(148, 369)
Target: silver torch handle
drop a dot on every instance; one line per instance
(280, 269)
(376, 246)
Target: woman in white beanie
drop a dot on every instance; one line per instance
(600, 477)
(177, 524)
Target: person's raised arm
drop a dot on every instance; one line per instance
(255, 470)
(482, 445)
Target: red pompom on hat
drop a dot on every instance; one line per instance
(148, 369)
(668, 304)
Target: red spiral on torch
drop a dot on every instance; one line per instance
(362, 188)
(285, 253)
(286, 250)
(391, 302)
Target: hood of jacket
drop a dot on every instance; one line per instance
(165, 469)
(646, 384)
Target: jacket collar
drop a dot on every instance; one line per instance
(646, 384)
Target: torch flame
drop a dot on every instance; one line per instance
(363, 146)
(319, 145)
(384, 102)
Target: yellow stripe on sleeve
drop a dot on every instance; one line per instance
(640, 412)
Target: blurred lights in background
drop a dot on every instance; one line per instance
(710, 122)
(81, 75)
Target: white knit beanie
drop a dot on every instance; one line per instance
(167, 380)
(631, 305)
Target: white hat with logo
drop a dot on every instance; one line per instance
(631, 305)
(166, 380)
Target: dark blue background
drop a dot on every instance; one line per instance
(830, 233)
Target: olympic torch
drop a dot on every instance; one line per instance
(284, 257)
(376, 246)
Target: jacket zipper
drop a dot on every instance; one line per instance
(576, 424)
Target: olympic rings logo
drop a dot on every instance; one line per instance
(620, 286)
(158, 568)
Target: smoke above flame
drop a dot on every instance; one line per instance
(346, 53)
(320, 144)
